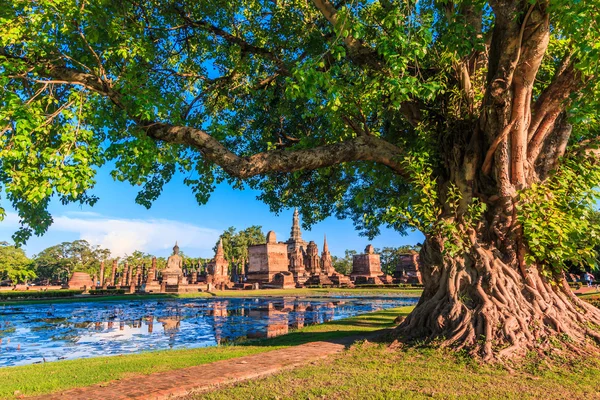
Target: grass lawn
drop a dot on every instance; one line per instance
(403, 292)
(375, 371)
(55, 376)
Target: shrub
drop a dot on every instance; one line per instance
(30, 294)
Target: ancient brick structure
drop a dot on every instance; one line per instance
(137, 280)
(295, 241)
(326, 262)
(113, 275)
(152, 274)
(319, 280)
(284, 280)
(80, 280)
(218, 267)
(367, 265)
(121, 280)
(101, 273)
(126, 272)
(407, 270)
(296, 259)
(312, 261)
(341, 280)
(152, 285)
(266, 260)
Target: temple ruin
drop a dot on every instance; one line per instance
(293, 263)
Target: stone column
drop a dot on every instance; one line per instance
(153, 270)
(114, 273)
(126, 279)
(122, 277)
(137, 277)
(101, 273)
(130, 277)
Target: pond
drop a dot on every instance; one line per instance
(49, 332)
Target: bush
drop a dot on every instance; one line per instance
(31, 294)
(107, 291)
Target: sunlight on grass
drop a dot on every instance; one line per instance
(374, 371)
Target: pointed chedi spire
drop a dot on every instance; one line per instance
(296, 233)
(220, 250)
(325, 246)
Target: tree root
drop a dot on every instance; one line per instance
(487, 307)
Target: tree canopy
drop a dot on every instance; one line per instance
(235, 243)
(14, 264)
(472, 121)
(60, 261)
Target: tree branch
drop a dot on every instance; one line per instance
(358, 52)
(362, 148)
(551, 103)
(242, 43)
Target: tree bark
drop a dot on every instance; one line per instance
(495, 308)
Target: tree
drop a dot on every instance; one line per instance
(472, 121)
(343, 265)
(390, 257)
(14, 264)
(58, 262)
(235, 244)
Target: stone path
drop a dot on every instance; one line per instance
(586, 290)
(204, 377)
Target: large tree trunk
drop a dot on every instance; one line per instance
(485, 303)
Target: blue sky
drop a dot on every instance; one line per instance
(118, 223)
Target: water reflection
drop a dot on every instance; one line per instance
(39, 333)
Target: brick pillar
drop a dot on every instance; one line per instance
(114, 273)
(153, 270)
(101, 273)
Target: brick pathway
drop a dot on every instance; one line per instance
(587, 290)
(204, 377)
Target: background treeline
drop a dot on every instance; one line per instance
(57, 263)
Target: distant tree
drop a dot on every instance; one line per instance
(61, 260)
(138, 257)
(235, 244)
(390, 256)
(14, 264)
(343, 265)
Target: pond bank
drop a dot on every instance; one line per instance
(403, 292)
(46, 378)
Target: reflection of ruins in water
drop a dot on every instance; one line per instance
(260, 321)
(218, 311)
(66, 330)
(170, 324)
(276, 320)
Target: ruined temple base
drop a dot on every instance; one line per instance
(368, 280)
(155, 287)
(319, 280)
(151, 287)
(341, 280)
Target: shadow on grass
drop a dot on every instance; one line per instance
(378, 328)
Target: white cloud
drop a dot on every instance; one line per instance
(123, 236)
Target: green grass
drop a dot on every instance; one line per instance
(50, 377)
(376, 371)
(404, 292)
